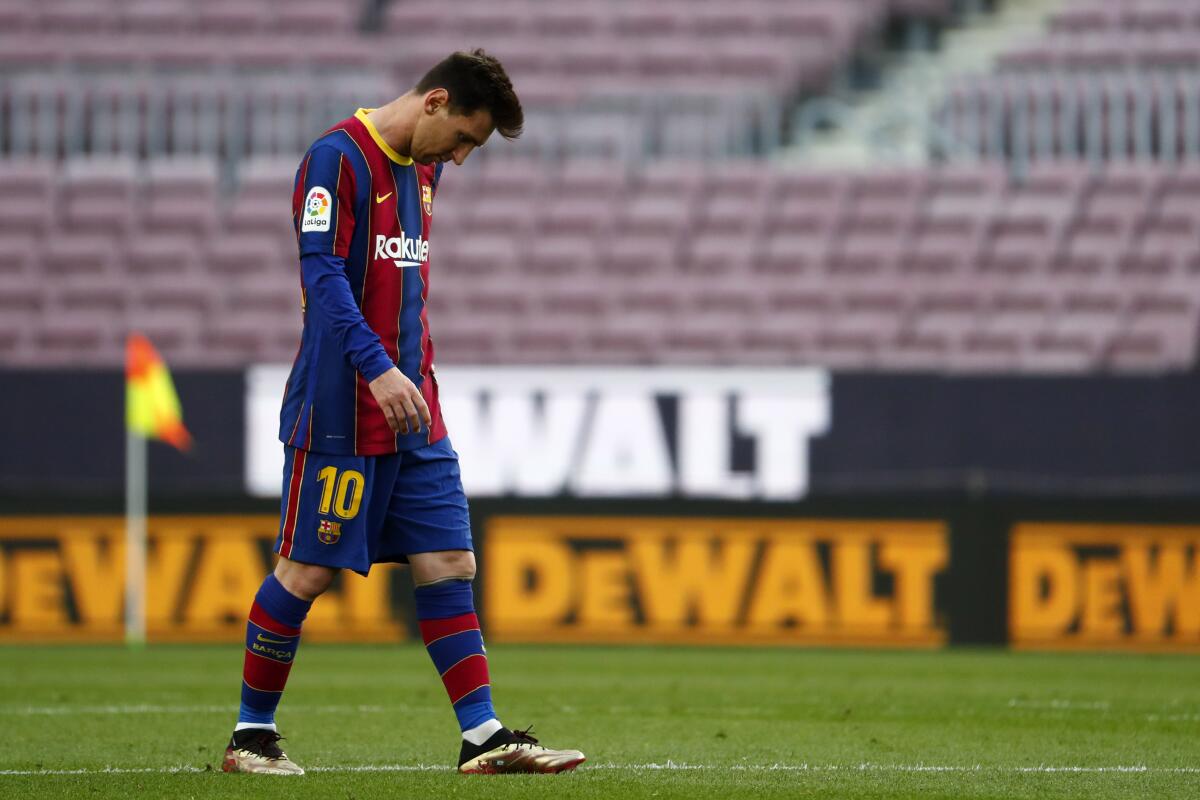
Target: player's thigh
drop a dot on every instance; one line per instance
(428, 511)
(334, 508)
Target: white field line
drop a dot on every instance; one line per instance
(1061, 705)
(144, 708)
(673, 766)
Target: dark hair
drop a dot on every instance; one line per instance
(477, 80)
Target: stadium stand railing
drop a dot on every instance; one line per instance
(1110, 79)
(598, 78)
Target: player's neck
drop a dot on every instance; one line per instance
(395, 122)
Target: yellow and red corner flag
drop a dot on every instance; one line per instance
(151, 405)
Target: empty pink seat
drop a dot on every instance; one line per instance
(1078, 351)
(155, 16)
(663, 215)
(26, 202)
(792, 253)
(545, 340)
(478, 256)
(700, 338)
(306, 16)
(66, 254)
(504, 216)
(770, 341)
(181, 195)
(572, 213)
(24, 296)
(632, 258)
(69, 339)
(85, 293)
(261, 208)
(190, 293)
(232, 340)
(99, 194)
(19, 253)
(239, 256)
(160, 254)
(909, 350)
(932, 256)
(974, 351)
(509, 178)
(560, 255)
(175, 333)
(717, 253)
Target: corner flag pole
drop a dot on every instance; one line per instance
(151, 411)
(135, 538)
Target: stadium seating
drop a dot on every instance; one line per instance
(1110, 79)
(955, 269)
(220, 76)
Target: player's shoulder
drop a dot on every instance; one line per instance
(331, 144)
(332, 154)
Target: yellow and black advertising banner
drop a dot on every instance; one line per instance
(711, 580)
(702, 579)
(62, 579)
(1100, 586)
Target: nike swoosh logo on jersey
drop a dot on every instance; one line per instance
(262, 638)
(379, 199)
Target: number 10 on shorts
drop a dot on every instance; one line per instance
(341, 493)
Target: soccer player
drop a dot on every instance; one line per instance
(369, 474)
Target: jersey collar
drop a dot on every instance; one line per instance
(361, 116)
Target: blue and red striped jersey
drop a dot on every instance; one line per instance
(362, 215)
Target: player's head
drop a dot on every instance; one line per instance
(465, 98)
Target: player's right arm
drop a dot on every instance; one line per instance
(326, 226)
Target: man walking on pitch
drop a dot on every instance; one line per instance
(369, 473)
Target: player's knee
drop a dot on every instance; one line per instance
(457, 564)
(306, 581)
(446, 565)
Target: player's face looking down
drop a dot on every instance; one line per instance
(442, 134)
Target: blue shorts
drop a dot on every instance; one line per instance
(354, 511)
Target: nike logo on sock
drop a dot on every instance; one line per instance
(262, 638)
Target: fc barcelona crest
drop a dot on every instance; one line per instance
(427, 199)
(329, 532)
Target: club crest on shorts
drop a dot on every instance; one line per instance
(329, 532)
(427, 199)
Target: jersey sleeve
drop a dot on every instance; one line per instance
(324, 202)
(331, 306)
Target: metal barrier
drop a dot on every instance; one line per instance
(230, 116)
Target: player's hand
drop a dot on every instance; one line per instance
(402, 404)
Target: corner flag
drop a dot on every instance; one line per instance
(151, 405)
(152, 411)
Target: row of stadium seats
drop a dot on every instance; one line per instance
(1114, 34)
(1172, 49)
(598, 78)
(1087, 16)
(160, 17)
(585, 65)
(115, 197)
(953, 269)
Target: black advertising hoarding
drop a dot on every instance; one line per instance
(770, 435)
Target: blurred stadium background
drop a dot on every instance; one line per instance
(863, 322)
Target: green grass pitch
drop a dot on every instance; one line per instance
(373, 722)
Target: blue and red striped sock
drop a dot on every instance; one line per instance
(446, 614)
(272, 636)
